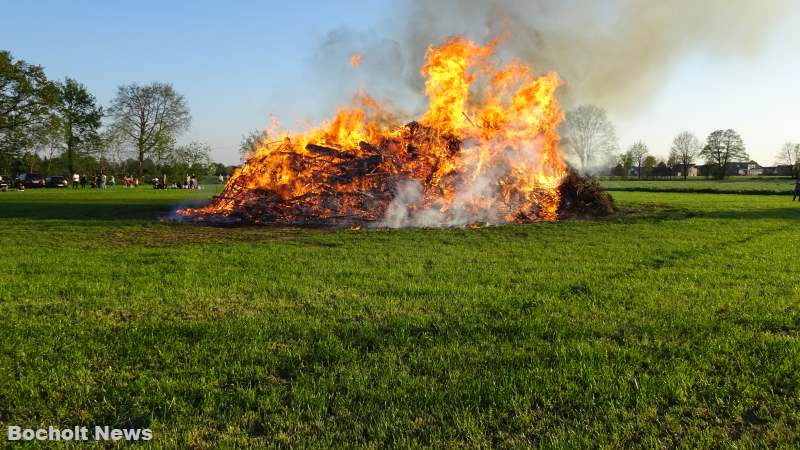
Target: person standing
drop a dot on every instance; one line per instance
(75, 180)
(83, 181)
(796, 188)
(112, 182)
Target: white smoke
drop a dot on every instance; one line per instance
(613, 53)
(475, 198)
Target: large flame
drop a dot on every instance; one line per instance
(486, 150)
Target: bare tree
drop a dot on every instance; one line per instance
(114, 142)
(790, 156)
(685, 148)
(192, 156)
(589, 135)
(251, 143)
(149, 118)
(49, 145)
(723, 147)
(638, 153)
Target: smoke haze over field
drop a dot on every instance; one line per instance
(615, 53)
(619, 54)
(658, 67)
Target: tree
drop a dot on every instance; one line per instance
(685, 148)
(217, 169)
(251, 143)
(625, 162)
(26, 101)
(723, 147)
(49, 145)
(638, 153)
(150, 118)
(79, 119)
(661, 170)
(193, 157)
(589, 135)
(649, 165)
(790, 156)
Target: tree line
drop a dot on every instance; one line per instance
(58, 128)
(590, 138)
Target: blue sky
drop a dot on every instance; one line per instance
(237, 62)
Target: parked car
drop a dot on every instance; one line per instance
(56, 182)
(30, 180)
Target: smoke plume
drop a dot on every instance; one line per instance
(615, 53)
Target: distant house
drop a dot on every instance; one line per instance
(661, 170)
(750, 168)
(754, 169)
(737, 168)
(781, 170)
(677, 170)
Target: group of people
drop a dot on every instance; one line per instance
(130, 182)
(190, 183)
(102, 181)
(99, 181)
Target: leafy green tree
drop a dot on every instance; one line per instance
(79, 120)
(723, 147)
(649, 165)
(149, 118)
(624, 164)
(217, 169)
(193, 157)
(27, 99)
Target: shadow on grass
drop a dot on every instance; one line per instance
(149, 210)
(658, 213)
(689, 190)
(92, 211)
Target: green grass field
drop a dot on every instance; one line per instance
(732, 185)
(675, 324)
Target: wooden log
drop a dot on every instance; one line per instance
(327, 151)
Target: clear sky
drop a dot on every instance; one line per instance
(236, 62)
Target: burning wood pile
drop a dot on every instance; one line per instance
(486, 151)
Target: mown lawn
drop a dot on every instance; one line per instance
(732, 185)
(675, 324)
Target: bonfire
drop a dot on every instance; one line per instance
(486, 151)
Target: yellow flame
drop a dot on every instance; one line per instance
(503, 117)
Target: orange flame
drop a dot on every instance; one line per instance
(356, 59)
(486, 150)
